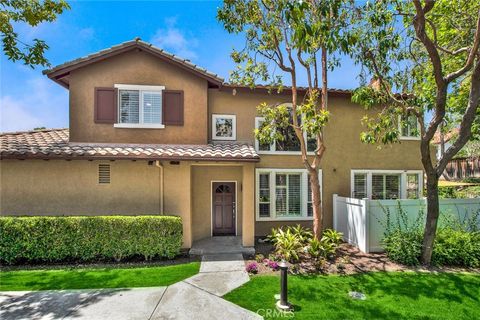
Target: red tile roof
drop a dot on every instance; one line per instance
(54, 144)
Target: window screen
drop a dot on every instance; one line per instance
(360, 185)
(288, 191)
(129, 106)
(264, 195)
(152, 107)
(412, 186)
(385, 186)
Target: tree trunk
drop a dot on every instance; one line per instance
(316, 203)
(432, 217)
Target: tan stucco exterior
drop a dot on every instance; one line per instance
(345, 151)
(137, 68)
(59, 187)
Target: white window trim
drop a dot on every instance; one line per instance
(143, 89)
(273, 145)
(234, 126)
(402, 137)
(303, 194)
(403, 180)
(139, 125)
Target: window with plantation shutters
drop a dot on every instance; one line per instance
(386, 184)
(283, 194)
(360, 185)
(104, 174)
(140, 106)
(129, 106)
(264, 195)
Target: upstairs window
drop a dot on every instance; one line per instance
(289, 145)
(139, 105)
(409, 127)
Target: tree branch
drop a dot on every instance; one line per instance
(471, 56)
(467, 120)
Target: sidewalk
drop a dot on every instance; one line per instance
(198, 297)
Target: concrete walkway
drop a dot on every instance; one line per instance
(198, 297)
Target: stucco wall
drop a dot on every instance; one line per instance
(59, 187)
(345, 151)
(137, 68)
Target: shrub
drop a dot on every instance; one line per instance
(456, 242)
(287, 243)
(332, 237)
(252, 267)
(327, 246)
(291, 242)
(81, 239)
(456, 248)
(271, 264)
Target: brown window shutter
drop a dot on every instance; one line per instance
(172, 105)
(105, 105)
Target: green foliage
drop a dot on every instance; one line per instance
(61, 239)
(389, 51)
(390, 295)
(457, 242)
(293, 241)
(459, 192)
(93, 278)
(332, 236)
(32, 13)
(287, 243)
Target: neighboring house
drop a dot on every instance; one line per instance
(465, 164)
(151, 133)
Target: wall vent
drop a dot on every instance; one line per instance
(104, 173)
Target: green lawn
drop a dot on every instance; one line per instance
(93, 278)
(392, 295)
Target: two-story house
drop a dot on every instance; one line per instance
(151, 133)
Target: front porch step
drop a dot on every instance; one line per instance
(220, 245)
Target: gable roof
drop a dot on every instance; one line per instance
(54, 144)
(60, 73)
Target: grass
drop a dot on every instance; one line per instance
(394, 295)
(93, 278)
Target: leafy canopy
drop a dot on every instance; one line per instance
(390, 51)
(31, 12)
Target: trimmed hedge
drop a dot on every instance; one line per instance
(61, 239)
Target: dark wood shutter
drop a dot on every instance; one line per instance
(172, 105)
(105, 105)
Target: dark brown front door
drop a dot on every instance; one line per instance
(223, 204)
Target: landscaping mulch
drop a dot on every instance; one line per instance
(348, 260)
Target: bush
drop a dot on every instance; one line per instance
(457, 243)
(292, 242)
(81, 239)
(287, 243)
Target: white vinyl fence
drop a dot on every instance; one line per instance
(363, 221)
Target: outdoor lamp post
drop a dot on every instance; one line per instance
(283, 303)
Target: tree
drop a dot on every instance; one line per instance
(428, 52)
(295, 37)
(32, 12)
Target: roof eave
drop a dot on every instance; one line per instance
(58, 72)
(7, 156)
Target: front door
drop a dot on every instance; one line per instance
(223, 204)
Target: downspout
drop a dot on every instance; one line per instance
(159, 165)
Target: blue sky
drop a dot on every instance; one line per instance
(190, 29)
